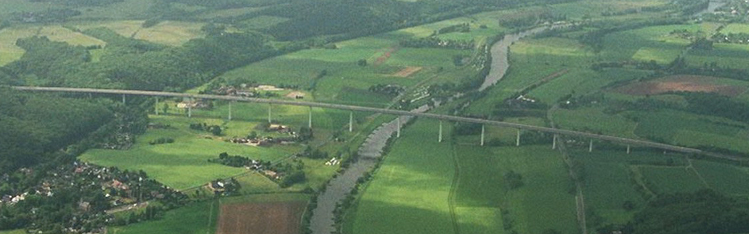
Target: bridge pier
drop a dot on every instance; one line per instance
(554, 142)
(440, 137)
(156, 106)
(482, 134)
(230, 110)
(590, 146)
(351, 121)
(628, 149)
(517, 140)
(270, 107)
(398, 130)
(189, 108)
(310, 118)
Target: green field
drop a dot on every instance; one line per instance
(593, 119)
(183, 164)
(195, 218)
(542, 203)
(410, 192)
(646, 44)
(690, 129)
(9, 52)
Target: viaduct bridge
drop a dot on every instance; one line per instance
(624, 141)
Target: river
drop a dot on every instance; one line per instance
(371, 150)
(500, 52)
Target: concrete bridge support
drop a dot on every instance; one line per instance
(351, 121)
(230, 110)
(554, 142)
(270, 107)
(398, 130)
(629, 150)
(590, 146)
(440, 137)
(482, 134)
(189, 108)
(310, 118)
(517, 140)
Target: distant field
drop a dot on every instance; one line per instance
(645, 44)
(724, 55)
(229, 12)
(172, 33)
(672, 179)
(735, 28)
(126, 28)
(263, 21)
(14, 232)
(594, 8)
(9, 52)
(690, 129)
(182, 164)
(686, 83)
(195, 218)
(594, 120)
(127, 9)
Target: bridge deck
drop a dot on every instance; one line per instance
(626, 141)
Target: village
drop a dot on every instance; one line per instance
(95, 190)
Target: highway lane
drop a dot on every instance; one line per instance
(621, 140)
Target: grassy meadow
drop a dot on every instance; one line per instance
(195, 218)
(411, 190)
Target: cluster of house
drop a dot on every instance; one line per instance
(117, 186)
(193, 104)
(333, 161)
(525, 99)
(9, 199)
(267, 141)
(245, 90)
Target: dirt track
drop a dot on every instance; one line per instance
(261, 218)
(408, 71)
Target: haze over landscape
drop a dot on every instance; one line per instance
(377, 116)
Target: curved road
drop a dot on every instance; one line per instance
(621, 140)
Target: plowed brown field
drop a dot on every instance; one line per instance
(261, 218)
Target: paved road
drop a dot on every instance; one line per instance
(620, 140)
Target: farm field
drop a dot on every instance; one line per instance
(594, 119)
(183, 164)
(343, 81)
(541, 203)
(266, 214)
(9, 52)
(410, 191)
(195, 218)
(594, 8)
(171, 33)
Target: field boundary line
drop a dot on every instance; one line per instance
(454, 189)
(691, 166)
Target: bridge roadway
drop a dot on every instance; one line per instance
(621, 140)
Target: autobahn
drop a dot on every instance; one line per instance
(620, 140)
